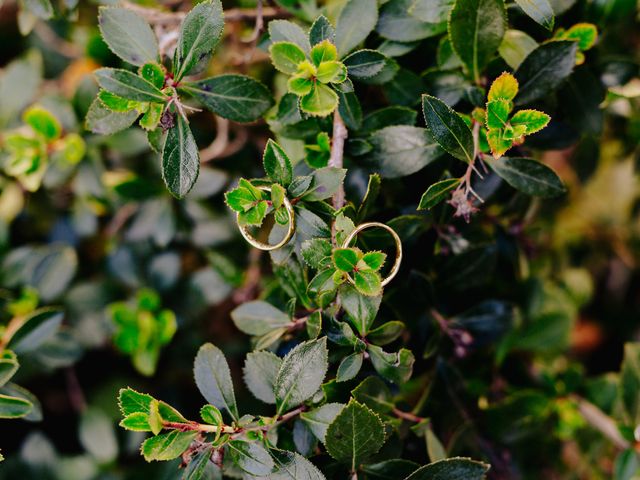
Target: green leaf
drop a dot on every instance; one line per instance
(515, 47)
(357, 20)
(528, 176)
(361, 310)
(103, 121)
(345, 259)
(476, 28)
(350, 110)
(395, 367)
(42, 122)
(324, 51)
(373, 260)
(258, 318)
(629, 386)
(167, 446)
(365, 63)
(319, 419)
(200, 466)
(401, 150)
(321, 30)
(286, 56)
(128, 35)
(199, 34)
(354, 435)
(131, 402)
(368, 282)
(349, 367)
(375, 394)
(315, 252)
(154, 418)
(451, 469)
(211, 415)
(448, 128)
(154, 73)
(585, 34)
(213, 379)
(539, 11)
(386, 333)
(299, 85)
(544, 69)
(260, 372)
(395, 469)
(325, 182)
(136, 422)
(180, 159)
(505, 87)
(277, 164)
(38, 327)
(252, 457)
(533, 120)
(128, 85)
(14, 407)
(320, 102)
(314, 324)
(331, 72)
(236, 97)
(286, 31)
(293, 466)
(8, 366)
(431, 11)
(498, 113)
(437, 192)
(395, 24)
(301, 374)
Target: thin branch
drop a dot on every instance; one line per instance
(219, 143)
(336, 159)
(601, 422)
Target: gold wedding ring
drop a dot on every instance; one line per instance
(396, 238)
(244, 230)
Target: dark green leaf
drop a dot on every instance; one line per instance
(539, 10)
(395, 469)
(528, 176)
(103, 121)
(451, 469)
(14, 407)
(349, 367)
(437, 192)
(365, 63)
(361, 310)
(128, 35)
(277, 164)
(252, 457)
(180, 159)
(321, 30)
(544, 69)
(128, 85)
(386, 333)
(395, 367)
(448, 128)
(236, 97)
(213, 379)
(37, 328)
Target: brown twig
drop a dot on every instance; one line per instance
(601, 422)
(336, 159)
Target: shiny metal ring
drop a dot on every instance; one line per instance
(265, 246)
(396, 238)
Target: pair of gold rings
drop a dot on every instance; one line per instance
(347, 241)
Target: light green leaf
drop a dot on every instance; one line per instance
(321, 101)
(180, 159)
(131, 402)
(368, 282)
(213, 379)
(498, 113)
(260, 373)
(167, 446)
(325, 51)
(476, 28)
(345, 259)
(532, 119)
(515, 47)
(128, 35)
(354, 435)
(505, 87)
(199, 34)
(43, 122)
(286, 56)
(448, 128)
(211, 415)
(301, 374)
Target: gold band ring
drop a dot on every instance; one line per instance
(396, 238)
(265, 246)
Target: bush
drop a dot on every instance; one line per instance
(415, 256)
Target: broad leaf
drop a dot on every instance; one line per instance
(528, 176)
(277, 164)
(258, 318)
(349, 367)
(103, 121)
(544, 69)
(319, 419)
(431, 11)
(199, 35)
(260, 372)
(251, 457)
(365, 63)
(213, 379)
(180, 159)
(476, 28)
(394, 23)
(293, 466)
(236, 97)
(37, 328)
(437, 192)
(448, 128)
(357, 20)
(451, 469)
(539, 10)
(361, 310)
(128, 35)
(301, 374)
(129, 85)
(321, 30)
(167, 446)
(354, 435)
(395, 367)
(515, 47)
(14, 407)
